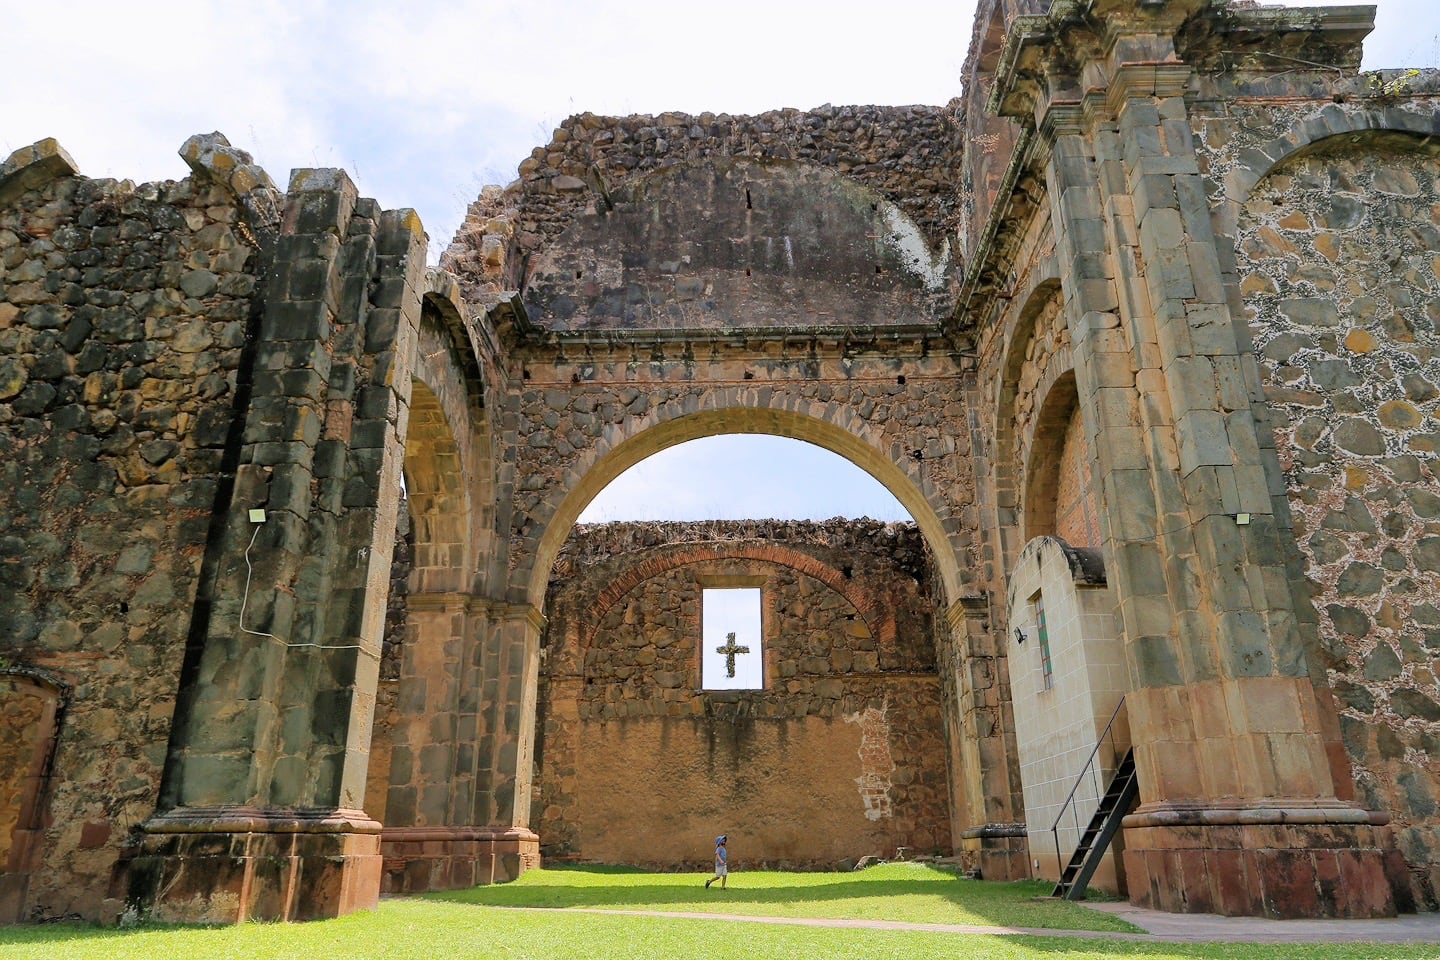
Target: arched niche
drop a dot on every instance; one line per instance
(1061, 498)
(31, 710)
(733, 242)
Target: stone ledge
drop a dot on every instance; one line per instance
(257, 820)
(1289, 813)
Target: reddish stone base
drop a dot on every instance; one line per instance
(231, 866)
(999, 851)
(14, 881)
(418, 859)
(1277, 870)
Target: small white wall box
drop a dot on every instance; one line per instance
(257, 516)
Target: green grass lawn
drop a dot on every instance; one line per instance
(431, 928)
(910, 892)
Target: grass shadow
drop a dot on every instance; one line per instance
(905, 892)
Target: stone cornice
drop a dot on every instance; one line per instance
(976, 607)
(245, 819)
(495, 610)
(662, 351)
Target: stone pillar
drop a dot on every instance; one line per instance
(994, 839)
(260, 809)
(459, 804)
(1245, 804)
(508, 656)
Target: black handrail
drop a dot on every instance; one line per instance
(1088, 768)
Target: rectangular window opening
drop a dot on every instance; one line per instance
(1047, 670)
(731, 654)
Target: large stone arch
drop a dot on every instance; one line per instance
(915, 469)
(735, 410)
(433, 784)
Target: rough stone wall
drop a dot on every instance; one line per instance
(725, 242)
(1076, 514)
(122, 321)
(1338, 267)
(638, 764)
(908, 155)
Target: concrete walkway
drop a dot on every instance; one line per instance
(1166, 927)
(1209, 928)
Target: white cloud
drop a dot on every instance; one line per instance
(424, 102)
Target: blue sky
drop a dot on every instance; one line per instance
(425, 102)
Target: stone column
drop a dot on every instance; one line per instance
(508, 657)
(459, 804)
(260, 809)
(995, 835)
(1240, 811)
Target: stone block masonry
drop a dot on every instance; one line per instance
(123, 321)
(1163, 281)
(173, 355)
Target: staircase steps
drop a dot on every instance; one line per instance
(1119, 797)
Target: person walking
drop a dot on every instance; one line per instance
(722, 863)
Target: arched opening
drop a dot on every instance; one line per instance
(841, 751)
(1039, 339)
(422, 772)
(901, 472)
(1062, 499)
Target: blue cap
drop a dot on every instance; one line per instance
(720, 839)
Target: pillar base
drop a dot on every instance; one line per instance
(418, 859)
(236, 864)
(999, 851)
(1292, 862)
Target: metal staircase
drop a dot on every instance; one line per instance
(1118, 799)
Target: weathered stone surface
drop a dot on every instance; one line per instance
(1366, 520)
(1196, 329)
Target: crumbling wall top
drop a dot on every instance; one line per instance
(908, 156)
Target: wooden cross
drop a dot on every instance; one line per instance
(730, 650)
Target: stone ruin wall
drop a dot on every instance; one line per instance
(908, 155)
(122, 322)
(638, 765)
(1338, 268)
(906, 403)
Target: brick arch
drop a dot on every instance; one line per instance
(878, 619)
(743, 409)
